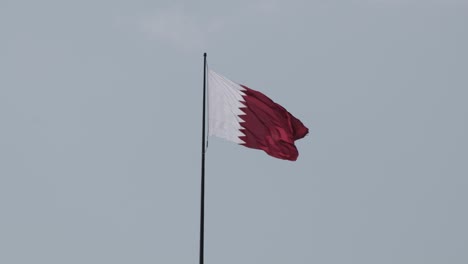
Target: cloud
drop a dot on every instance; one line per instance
(416, 2)
(265, 7)
(177, 26)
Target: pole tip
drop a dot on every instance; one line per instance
(204, 54)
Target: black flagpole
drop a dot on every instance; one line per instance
(202, 202)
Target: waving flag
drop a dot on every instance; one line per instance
(248, 117)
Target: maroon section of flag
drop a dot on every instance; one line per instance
(269, 126)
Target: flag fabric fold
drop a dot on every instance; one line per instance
(247, 117)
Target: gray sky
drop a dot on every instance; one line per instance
(100, 107)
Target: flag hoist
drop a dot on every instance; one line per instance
(247, 117)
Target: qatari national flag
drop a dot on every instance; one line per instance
(248, 117)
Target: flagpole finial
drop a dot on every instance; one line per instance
(204, 54)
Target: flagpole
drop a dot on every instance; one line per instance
(202, 193)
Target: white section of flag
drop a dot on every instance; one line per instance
(224, 107)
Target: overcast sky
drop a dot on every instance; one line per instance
(100, 126)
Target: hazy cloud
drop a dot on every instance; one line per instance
(412, 2)
(176, 25)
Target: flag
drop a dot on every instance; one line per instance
(249, 118)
